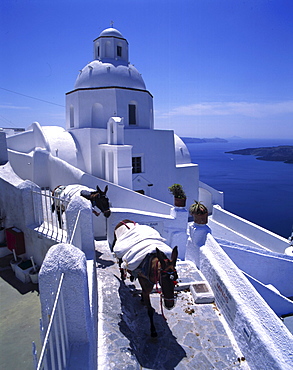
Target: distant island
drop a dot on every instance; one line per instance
(282, 153)
(204, 140)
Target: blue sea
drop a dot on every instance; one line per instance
(259, 191)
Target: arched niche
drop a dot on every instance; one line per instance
(97, 115)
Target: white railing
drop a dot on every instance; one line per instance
(55, 341)
(54, 353)
(46, 219)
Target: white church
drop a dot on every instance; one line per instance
(110, 133)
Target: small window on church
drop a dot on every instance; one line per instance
(71, 116)
(136, 165)
(119, 51)
(132, 114)
(98, 51)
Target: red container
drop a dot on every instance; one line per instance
(15, 240)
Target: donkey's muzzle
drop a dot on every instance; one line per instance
(169, 303)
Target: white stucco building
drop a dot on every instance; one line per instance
(109, 131)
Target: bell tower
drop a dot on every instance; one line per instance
(109, 86)
(111, 46)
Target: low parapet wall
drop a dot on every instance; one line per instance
(260, 334)
(210, 196)
(79, 295)
(256, 233)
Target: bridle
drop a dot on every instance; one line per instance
(159, 278)
(101, 197)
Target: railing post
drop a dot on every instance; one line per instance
(197, 235)
(82, 231)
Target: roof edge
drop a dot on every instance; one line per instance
(108, 87)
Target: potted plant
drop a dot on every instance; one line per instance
(199, 213)
(179, 195)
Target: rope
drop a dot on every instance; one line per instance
(161, 303)
(125, 224)
(157, 288)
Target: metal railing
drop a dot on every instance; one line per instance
(48, 220)
(55, 349)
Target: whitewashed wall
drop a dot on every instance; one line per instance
(264, 238)
(262, 337)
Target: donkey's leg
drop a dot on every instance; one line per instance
(151, 316)
(59, 215)
(122, 271)
(145, 294)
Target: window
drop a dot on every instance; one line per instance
(98, 51)
(71, 116)
(119, 51)
(132, 114)
(136, 165)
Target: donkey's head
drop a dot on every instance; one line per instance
(99, 199)
(168, 277)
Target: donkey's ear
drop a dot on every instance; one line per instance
(98, 189)
(106, 189)
(161, 256)
(174, 255)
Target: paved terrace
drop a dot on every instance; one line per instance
(195, 336)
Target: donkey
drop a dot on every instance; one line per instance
(63, 194)
(155, 267)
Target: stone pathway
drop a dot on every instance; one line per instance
(195, 336)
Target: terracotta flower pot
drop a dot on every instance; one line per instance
(179, 202)
(200, 219)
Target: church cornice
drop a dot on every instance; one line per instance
(108, 87)
(110, 37)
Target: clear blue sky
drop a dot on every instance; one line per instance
(215, 68)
